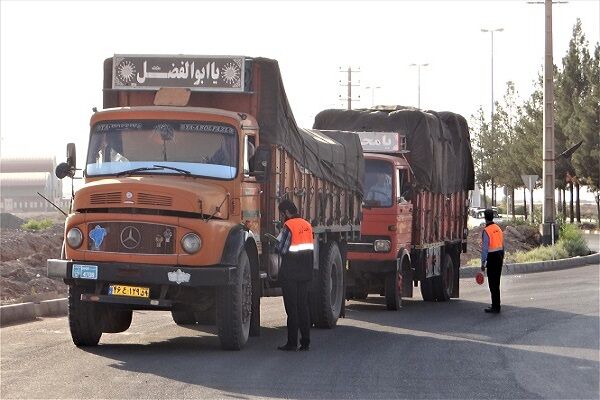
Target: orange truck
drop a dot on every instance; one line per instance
(418, 170)
(185, 168)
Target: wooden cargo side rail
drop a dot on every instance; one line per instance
(329, 207)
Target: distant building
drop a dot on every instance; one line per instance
(21, 178)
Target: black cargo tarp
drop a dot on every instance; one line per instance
(329, 155)
(439, 142)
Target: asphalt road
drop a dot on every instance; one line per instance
(545, 344)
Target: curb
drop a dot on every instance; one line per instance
(539, 266)
(25, 312)
(591, 232)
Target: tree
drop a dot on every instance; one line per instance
(507, 116)
(481, 132)
(577, 112)
(586, 159)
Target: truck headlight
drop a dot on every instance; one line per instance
(382, 246)
(74, 238)
(191, 243)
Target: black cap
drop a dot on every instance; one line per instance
(488, 214)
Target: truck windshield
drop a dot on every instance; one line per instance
(137, 146)
(378, 183)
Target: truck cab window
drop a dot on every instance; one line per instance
(249, 149)
(378, 183)
(203, 148)
(404, 186)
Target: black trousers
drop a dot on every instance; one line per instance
(494, 271)
(295, 300)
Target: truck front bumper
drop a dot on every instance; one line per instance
(142, 274)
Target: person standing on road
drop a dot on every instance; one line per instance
(295, 244)
(492, 258)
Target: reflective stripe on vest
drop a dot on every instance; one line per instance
(496, 238)
(302, 235)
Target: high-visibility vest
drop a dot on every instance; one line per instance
(496, 238)
(302, 235)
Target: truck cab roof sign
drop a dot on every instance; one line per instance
(197, 73)
(382, 142)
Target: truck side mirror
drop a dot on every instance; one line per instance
(261, 163)
(67, 168)
(71, 156)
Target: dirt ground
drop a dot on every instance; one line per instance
(23, 256)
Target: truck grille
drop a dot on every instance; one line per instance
(105, 198)
(131, 237)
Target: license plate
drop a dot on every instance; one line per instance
(131, 291)
(80, 271)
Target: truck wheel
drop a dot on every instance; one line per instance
(115, 321)
(393, 290)
(427, 291)
(444, 284)
(234, 307)
(256, 294)
(85, 319)
(183, 316)
(327, 292)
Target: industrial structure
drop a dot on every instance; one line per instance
(21, 178)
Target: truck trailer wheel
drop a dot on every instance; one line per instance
(427, 289)
(327, 293)
(234, 307)
(393, 290)
(115, 321)
(85, 319)
(183, 316)
(444, 284)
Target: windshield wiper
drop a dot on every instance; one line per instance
(153, 168)
(183, 171)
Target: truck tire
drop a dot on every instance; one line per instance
(427, 290)
(256, 294)
(190, 316)
(327, 291)
(85, 319)
(115, 321)
(444, 284)
(234, 307)
(393, 290)
(183, 316)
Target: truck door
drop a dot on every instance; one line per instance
(404, 204)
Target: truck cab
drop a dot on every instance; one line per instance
(376, 261)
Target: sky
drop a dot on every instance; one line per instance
(52, 53)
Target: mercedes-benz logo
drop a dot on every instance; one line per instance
(130, 237)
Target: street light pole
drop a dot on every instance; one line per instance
(419, 81)
(491, 31)
(372, 93)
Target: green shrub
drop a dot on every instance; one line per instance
(542, 253)
(37, 225)
(573, 241)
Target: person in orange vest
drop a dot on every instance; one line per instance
(492, 258)
(295, 245)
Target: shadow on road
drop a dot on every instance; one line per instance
(374, 353)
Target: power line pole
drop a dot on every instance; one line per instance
(548, 228)
(349, 85)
